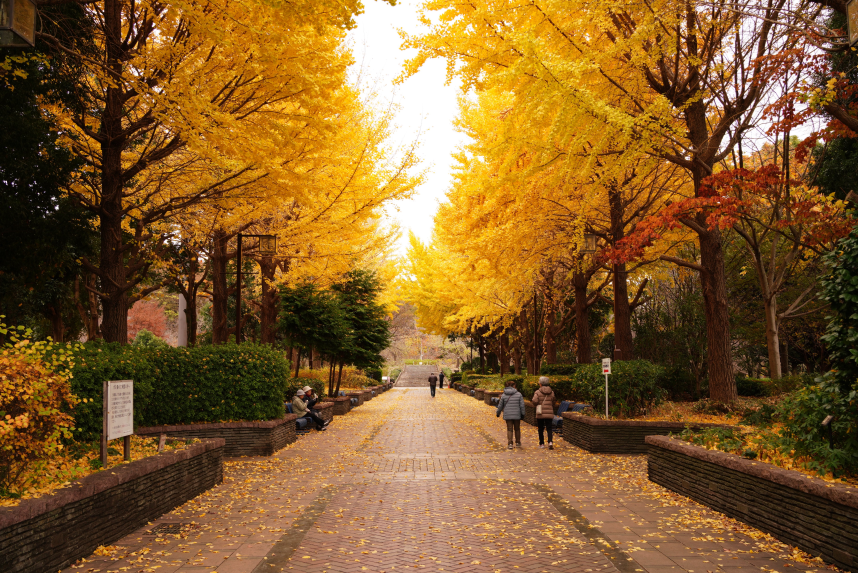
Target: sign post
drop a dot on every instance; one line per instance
(118, 416)
(606, 370)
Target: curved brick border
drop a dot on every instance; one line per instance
(50, 532)
(488, 395)
(242, 438)
(478, 393)
(617, 436)
(819, 517)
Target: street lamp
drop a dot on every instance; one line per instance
(267, 248)
(17, 23)
(589, 244)
(852, 21)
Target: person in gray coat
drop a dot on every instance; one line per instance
(512, 406)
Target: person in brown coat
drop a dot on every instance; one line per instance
(543, 399)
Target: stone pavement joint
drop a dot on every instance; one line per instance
(621, 560)
(283, 549)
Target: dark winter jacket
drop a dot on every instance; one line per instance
(511, 404)
(544, 396)
(433, 380)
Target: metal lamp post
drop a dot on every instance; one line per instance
(267, 248)
(17, 23)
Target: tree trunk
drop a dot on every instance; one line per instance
(114, 325)
(220, 290)
(58, 327)
(582, 318)
(622, 313)
(482, 356)
(773, 337)
(504, 353)
(550, 335)
(516, 360)
(339, 379)
(270, 300)
(722, 383)
(297, 361)
(89, 316)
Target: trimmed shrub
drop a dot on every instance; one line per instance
(633, 387)
(182, 385)
(373, 373)
(456, 377)
(146, 339)
(294, 384)
(753, 387)
(558, 369)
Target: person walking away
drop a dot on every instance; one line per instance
(441, 380)
(432, 381)
(543, 399)
(512, 406)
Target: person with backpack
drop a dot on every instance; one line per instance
(512, 406)
(544, 399)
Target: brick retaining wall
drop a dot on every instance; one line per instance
(478, 393)
(342, 405)
(367, 394)
(242, 438)
(358, 395)
(530, 413)
(50, 532)
(616, 436)
(816, 516)
(488, 395)
(326, 410)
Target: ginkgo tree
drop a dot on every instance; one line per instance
(188, 102)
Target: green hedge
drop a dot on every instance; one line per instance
(294, 384)
(633, 386)
(558, 369)
(456, 377)
(181, 385)
(751, 387)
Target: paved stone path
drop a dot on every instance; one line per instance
(407, 482)
(416, 376)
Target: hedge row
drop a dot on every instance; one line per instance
(634, 386)
(182, 385)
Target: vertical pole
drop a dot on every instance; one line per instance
(238, 294)
(104, 414)
(606, 396)
(126, 447)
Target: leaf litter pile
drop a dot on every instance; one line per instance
(376, 523)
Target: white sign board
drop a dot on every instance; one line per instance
(120, 409)
(606, 365)
(384, 378)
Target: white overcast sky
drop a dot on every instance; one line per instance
(427, 106)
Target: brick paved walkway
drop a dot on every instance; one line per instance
(408, 483)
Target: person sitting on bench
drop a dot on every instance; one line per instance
(309, 398)
(299, 407)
